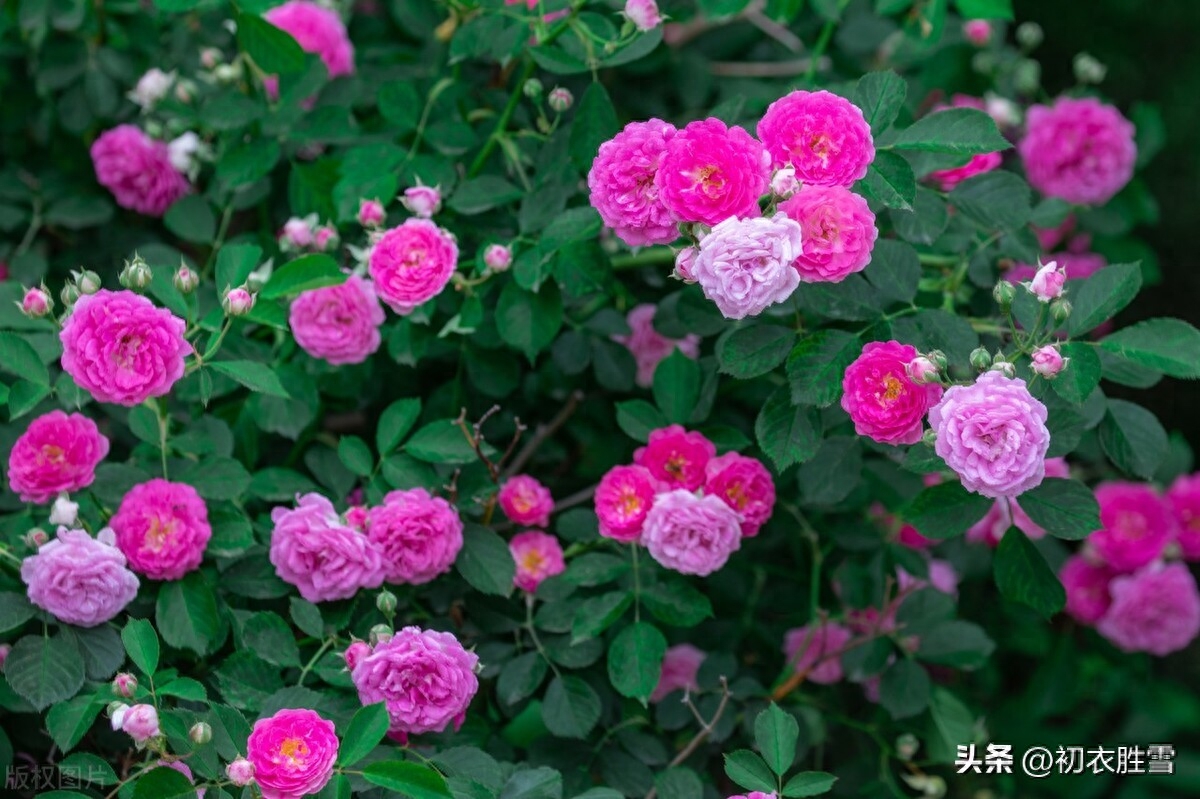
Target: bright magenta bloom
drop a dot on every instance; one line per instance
(691, 534)
(78, 579)
(743, 484)
(293, 753)
(137, 170)
(1156, 609)
(317, 30)
(538, 556)
(338, 323)
(1086, 584)
(680, 665)
(649, 347)
(412, 263)
(823, 136)
(1080, 150)
(163, 529)
(676, 457)
(1184, 498)
(883, 401)
(623, 188)
(418, 535)
(817, 652)
(1136, 525)
(56, 453)
(623, 498)
(313, 550)
(712, 172)
(526, 501)
(838, 232)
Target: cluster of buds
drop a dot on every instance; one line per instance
(137, 275)
(421, 200)
(927, 368)
(238, 301)
(84, 281)
(1088, 69)
(301, 234)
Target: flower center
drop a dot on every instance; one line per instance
(159, 533)
(675, 465)
(1132, 525)
(54, 454)
(522, 502)
(127, 347)
(736, 493)
(294, 750)
(892, 389)
(709, 180)
(821, 146)
(532, 561)
(413, 258)
(630, 503)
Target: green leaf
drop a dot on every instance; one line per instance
(83, 765)
(395, 422)
(925, 222)
(676, 603)
(677, 386)
(1133, 438)
(570, 708)
(1063, 508)
(356, 456)
(904, 689)
(163, 783)
(312, 271)
(257, 377)
(881, 96)
(24, 397)
(191, 218)
(638, 418)
(1101, 296)
(1171, 346)
(218, 478)
(486, 561)
(482, 194)
(945, 510)
(785, 432)
(890, 181)
(520, 677)
(68, 722)
(187, 615)
(528, 322)
(750, 771)
(367, 729)
(964, 131)
(596, 614)
(747, 352)
(809, 783)
(960, 644)
(141, 642)
(985, 9)
(595, 123)
(184, 688)
(895, 270)
(775, 734)
(678, 783)
(1076, 382)
(443, 441)
(245, 163)
(18, 357)
(235, 262)
(817, 364)
(996, 199)
(833, 473)
(413, 780)
(15, 610)
(273, 50)
(635, 660)
(44, 671)
(1023, 575)
(272, 638)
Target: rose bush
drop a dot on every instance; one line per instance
(488, 399)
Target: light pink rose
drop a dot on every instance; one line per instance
(838, 232)
(412, 263)
(1048, 282)
(1156, 609)
(817, 652)
(371, 213)
(497, 257)
(418, 535)
(292, 753)
(680, 665)
(36, 303)
(137, 170)
(56, 453)
(643, 14)
(526, 501)
(240, 771)
(141, 722)
(942, 577)
(649, 347)
(422, 201)
(317, 30)
(78, 579)
(339, 324)
(162, 528)
(538, 556)
(313, 550)
(745, 265)
(823, 136)
(1048, 361)
(691, 534)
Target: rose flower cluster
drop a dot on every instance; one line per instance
(688, 506)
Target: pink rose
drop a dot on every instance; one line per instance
(538, 556)
(412, 263)
(1155, 610)
(141, 722)
(884, 403)
(326, 238)
(623, 498)
(977, 31)
(426, 678)
(36, 303)
(745, 265)
(649, 347)
(422, 201)
(78, 579)
(942, 577)
(297, 234)
(1136, 525)
(338, 323)
(526, 501)
(691, 534)
(676, 457)
(817, 653)
(240, 771)
(623, 186)
(355, 653)
(712, 172)
(1086, 584)
(1006, 513)
(947, 179)
(680, 665)
(1048, 282)
(643, 14)
(838, 232)
(137, 170)
(743, 484)
(317, 30)
(292, 753)
(784, 182)
(993, 435)
(326, 560)
(418, 535)
(1048, 361)
(1184, 499)
(371, 213)
(685, 264)
(1078, 149)
(823, 136)
(124, 684)
(162, 528)
(56, 453)
(497, 257)
(120, 348)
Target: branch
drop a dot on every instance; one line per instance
(706, 729)
(543, 432)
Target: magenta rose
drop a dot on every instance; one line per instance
(120, 348)
(745, 265)
(338, 323)
(817, 653)
(622, 500)
(691, 534)
(884, 403)
(680, 665)
(649, 347)
(412, 263)
(712, 172)
(676, 457)
(838, 232)
(942, 577)
(137, 170)
(292, 753)
(538, 556)
(317, 30)
(526, 501)
(993, 435)
(623, 188)
(1156, 609)
(425, 677)
(947, 179)
(823, 136)
(1184, 499)
(1078, 149)
(162, 528)
(1136, 525)
(78, 579)
(56, 453)
(418, 535)
(743, 484)
(312, 549)
(1086, 584)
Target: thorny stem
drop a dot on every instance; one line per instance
(226, 217)
(543, 432)
(706, 729)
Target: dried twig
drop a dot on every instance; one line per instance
(543, 432)
(706, 729)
